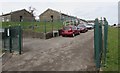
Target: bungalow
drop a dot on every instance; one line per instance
(17, 16)
(52, 15)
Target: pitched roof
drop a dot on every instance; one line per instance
(54, 11)
(62, 14)
(15, 12)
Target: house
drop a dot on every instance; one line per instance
(53, 15)
(17, 16)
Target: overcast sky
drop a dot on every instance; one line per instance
(85, 9)
(119, 12)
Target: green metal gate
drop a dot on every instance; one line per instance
(100, 41)
(12, 39)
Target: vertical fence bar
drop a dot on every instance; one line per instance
(101, 41)
(100, 50)
(96, 43)
(10, 38)
(52, 25)
(20, 38)
(105, 38)
(45, 27)
(100, 37)
(95, 40)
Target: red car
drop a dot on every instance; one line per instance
(70, 31)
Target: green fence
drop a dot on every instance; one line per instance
(42, 26)
(12, 39)
(100, 42)
(45, 26)
(105, 38)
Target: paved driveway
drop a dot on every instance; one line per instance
(56, 54)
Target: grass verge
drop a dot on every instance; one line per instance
(112, 52)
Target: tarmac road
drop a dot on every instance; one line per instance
(55, 54)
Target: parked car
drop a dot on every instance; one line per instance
(91, 25)
(82, 28)
(70, 31)
(88, 26)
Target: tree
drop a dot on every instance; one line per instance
(32, 10)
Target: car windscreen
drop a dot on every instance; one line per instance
(66, 28)
(74, 28)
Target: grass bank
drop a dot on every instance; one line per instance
(38, 26)
(112, 52)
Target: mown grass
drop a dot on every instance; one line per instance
(38, 26)
(112, 52)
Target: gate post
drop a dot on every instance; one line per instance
(20, 38)
(105, 38)
(100, 39)
(96, 43)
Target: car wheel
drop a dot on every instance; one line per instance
(84, 31)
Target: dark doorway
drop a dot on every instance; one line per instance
(52, 18)
(21, 18)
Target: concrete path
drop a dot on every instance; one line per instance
(56, 54)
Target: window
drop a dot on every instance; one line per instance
(52, 18)
(21, 18)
